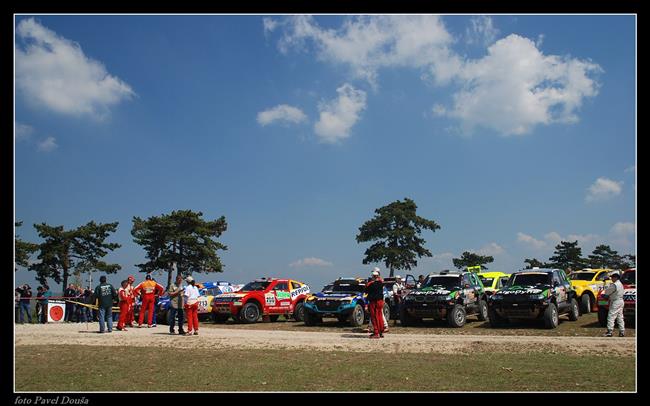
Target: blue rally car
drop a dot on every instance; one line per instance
(344, 300)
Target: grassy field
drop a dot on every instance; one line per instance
(87, 368)
(586, 325)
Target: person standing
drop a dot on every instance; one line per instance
(105, 294)
(17, 304)
(25, 297)
(420, 281)
(124, 301)
(191, 304)
(615, 292)
(175, 292)
(375, 291)
(39, 305)
(69, 294)
(148, 289)
(45, 300)
(130, 318)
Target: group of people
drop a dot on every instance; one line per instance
(23, 296)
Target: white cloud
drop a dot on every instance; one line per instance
(481, 31)
(531, 241)
(269, 24)
(491, 249)
(311, 261)
(367, 43)
(515, 88)
(621, 228)
(47, 144)
(54, 72)
(283, 113)
(603, 189)
(338, 116)
(631, 169)
(23, 131)
(439, 110)
(555, 238)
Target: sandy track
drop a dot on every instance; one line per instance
(223, 338)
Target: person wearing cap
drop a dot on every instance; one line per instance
(615, 291)
(124, 300)
(175, 292)
(398, 290)
(148, 290)
(375, 291)
(130, 316)
(191, 304)
(104, 294)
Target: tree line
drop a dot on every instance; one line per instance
(184, 242)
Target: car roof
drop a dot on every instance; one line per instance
(492, 274)
(538, 270)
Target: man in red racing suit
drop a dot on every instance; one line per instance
(148, 289)
(375, 291)
(130, 318)
(124, 303)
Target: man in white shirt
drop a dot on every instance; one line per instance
(614, 292)
(191, 304)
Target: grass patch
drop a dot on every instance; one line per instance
(87, 368)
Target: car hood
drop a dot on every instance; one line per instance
(434, 291)
(525, 290)
(337, 295)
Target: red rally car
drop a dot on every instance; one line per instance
(628, 279)
(262, 297)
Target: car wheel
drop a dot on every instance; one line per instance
(457, 316)
(357, 316)
(482, 310)
(311, 319)
(386, 311)
(299, 312)
(602, 317)
(219, 318)
(585, 303)
(249, 313)
(495, 319)
(551, 316)
(574, 312)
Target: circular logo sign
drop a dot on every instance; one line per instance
(56, 313)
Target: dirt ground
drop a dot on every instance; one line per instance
(239, 338)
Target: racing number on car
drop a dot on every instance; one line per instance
(203, 305)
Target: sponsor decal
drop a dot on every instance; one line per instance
(270, 299)
(230, 295)
(529, 291)
(283, 295)
(285, 304)
(433, 292)
(301, 290)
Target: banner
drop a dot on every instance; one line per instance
(55, 311)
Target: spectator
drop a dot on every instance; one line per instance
(39, 304)
(45, 295)
(191, 301)
(375, 291)
(105, 294)
(148, 289)
(156, 303)
(91, 314)
(420, 281)
(17, 304)
(69, 294)
(176, 305)
(614, 292)
(25, 297)
(130, 319)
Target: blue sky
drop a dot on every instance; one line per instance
(511, 132)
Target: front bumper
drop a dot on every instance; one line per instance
(520, 310)
(433, 310)
(226, 308)
(332, 309)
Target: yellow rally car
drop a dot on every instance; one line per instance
(587, 284)
(493, 281)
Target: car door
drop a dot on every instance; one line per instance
(561, 290)
(283, 297)
(469, 290)
(478, 287)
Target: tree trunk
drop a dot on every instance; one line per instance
(391, 271)
(169, 277)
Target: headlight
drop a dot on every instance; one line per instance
(538, 297)
(408, 298)
(496, 297)
(346, 301)
(445, 298)
(311, 298)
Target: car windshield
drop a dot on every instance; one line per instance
(327, 288)
(347, 287)
(582, 276)
(211, 292)
(444, 281)
(486, 281)
(529, 279)
(256, 285)
(629, 278)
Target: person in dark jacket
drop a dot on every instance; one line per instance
(25, 297)
(70, 293)
(375, 291)
(105, 293)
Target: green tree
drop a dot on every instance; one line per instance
(605, 257)
(627, 261)
(567, 255)
(395, 231)
(67, 251)
(183, 238)
(23, 250)
(471, 259)
(534, 263)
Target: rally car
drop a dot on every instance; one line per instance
(493, 281)
(270, 297)
(207, 291)
(628, 279)
(446, 295)
(538, 293)
(588, 283)
(345, 300)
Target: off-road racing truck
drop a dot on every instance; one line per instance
(447, 295)
(628, 279)
(271, 297)
(539, 293)
(345, 300)
(588, 283)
